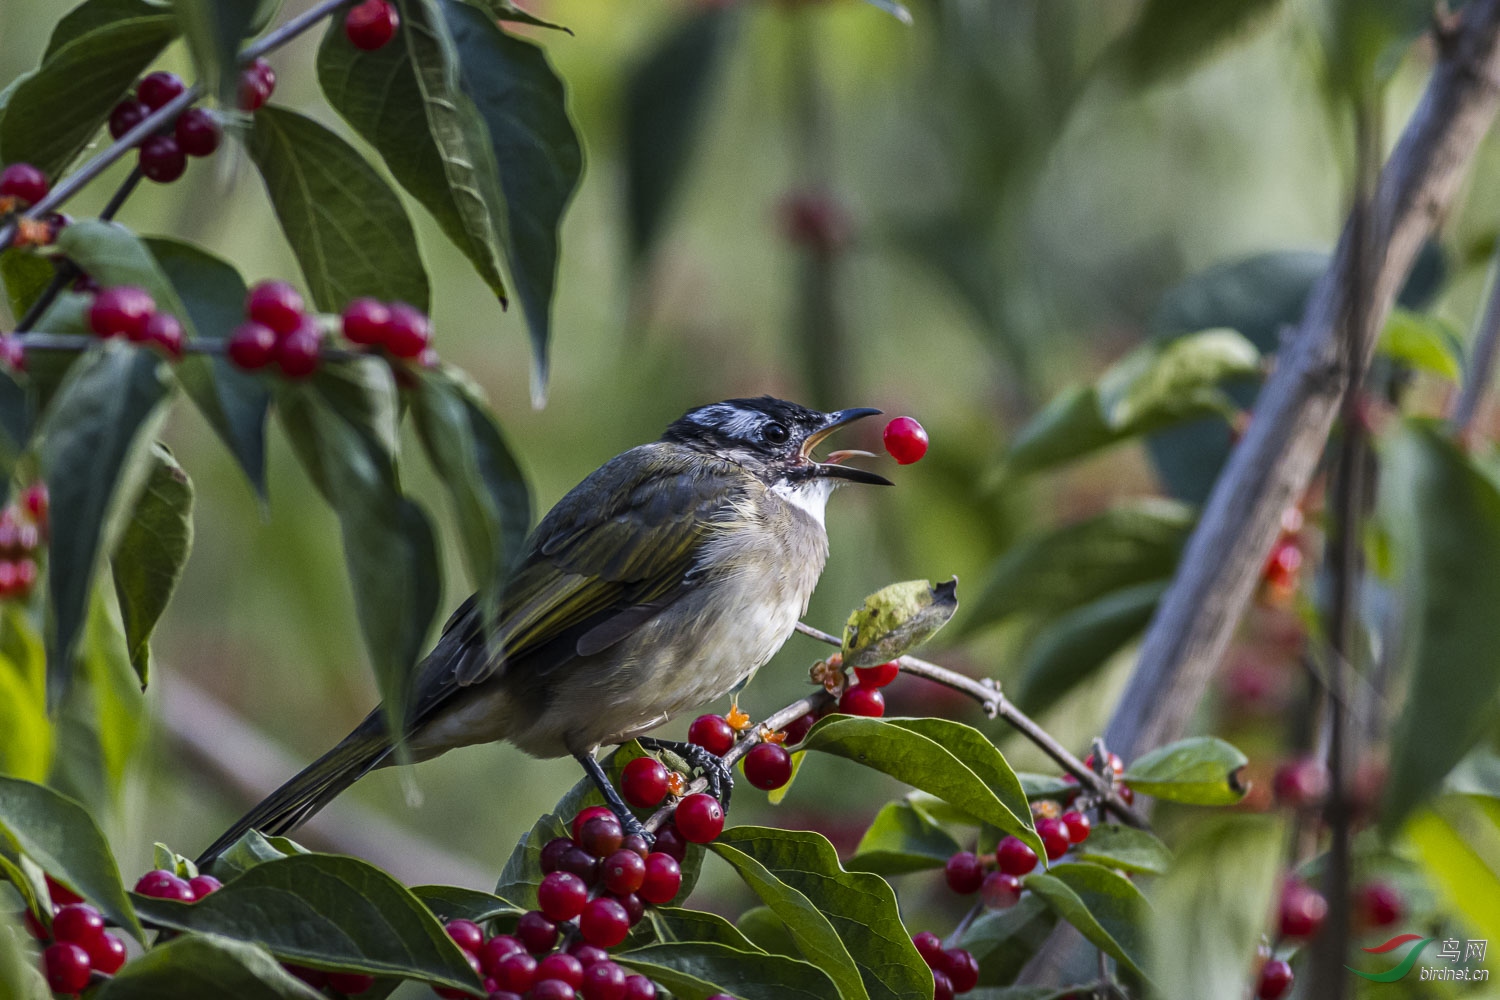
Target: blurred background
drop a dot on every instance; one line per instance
(952, 219)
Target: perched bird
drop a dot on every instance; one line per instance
(662, 581)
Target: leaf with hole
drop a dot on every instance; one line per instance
(896, 619)
(1201, 771)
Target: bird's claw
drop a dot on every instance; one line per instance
(718, 774)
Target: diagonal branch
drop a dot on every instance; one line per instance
(1272, 465)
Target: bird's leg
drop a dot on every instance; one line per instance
(720, 777)
(627, 819)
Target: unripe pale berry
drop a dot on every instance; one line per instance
(905, 440)
(713, 733)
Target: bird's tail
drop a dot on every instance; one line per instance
(310, 789)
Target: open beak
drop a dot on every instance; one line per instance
(832, 469)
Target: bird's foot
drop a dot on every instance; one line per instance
(628, 823)
(720, 777)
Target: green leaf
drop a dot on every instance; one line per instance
(1126, 848)
(1171, 37)
(452, 902)
(1160, 384)
(676, 924)
(339, 423)
(504, 10)
(525, 112)
(665, 98)
(407, 101)
(696, 970)
(215, 30)
(1104, 907)
(1422, 342)
(88, 436)
(896, 619)
(26, 275)
(957, 763)
(235, 402)
(1003, 941)
(902, 840)
(349, 230)
(1046, 786)
(26, 751)
(165, 859)
(328, 912)
(845, 923)
(252, 849)
(1209, 910)
(1444, 517)
(765, 930)
(20, 976)
(52, 114)
(151, 554)
(1202, 771)
(1071, 648)
(60, 836)
(204, 965)
(92, 14)
(491, 502)
(1458, 843)
(1136, 542)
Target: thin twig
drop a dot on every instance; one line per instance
(1482, 363)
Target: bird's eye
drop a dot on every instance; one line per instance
(774, 433)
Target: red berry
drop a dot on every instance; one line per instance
(515, 972)
(878, 676)
(601, 836)
(1054, 837)
(164, 331)
(1283, 565)
(587, 953)
(635, 842)
(12, 352)
(643, 782)
(157, 89)
(1014, 857)
(161, 159)
(561, 896)
(580, 863)
(121, 311)
(297, 353)
(371, 24)
(1275, 980)
(365, 322)
(671, 842)
(604, 922)
(34, 926)
(495, 949)
(942, 986)
(257, 83)
(930, 947)
(35, 502)
(586, 815)
(961, 969)
(623, 872)
(127, 115)
(663, 878)
(965, 873)
(1301, 783)
(1378, 904)
(634, 908)
(106, 953)
(350, 983)
(712, 733)
(79, 923)
(768, 766)
(551, 989)
(639, 988)
(408, 332)
(66, 966)
(860, 700)
(905, 440)
(561, 966)
(466, 934)
(796, 730)
(1126, 793)
(276, 304)
(162, 884)
(699, 817)
(1001, 890)
(23, 182)
(553, 853)
(1077, 825)
(536, 932)
(197, 133)
(603, 981)
(1115, 763)
(25, 576)
(252, 345)
(1302, 910)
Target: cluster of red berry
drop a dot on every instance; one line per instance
(370, 25)
(1001, 889)
(22, 186)
(160, 883)
(23, 525)
(280, 331)
(163, 157)
(130, 312)
(1300, 915)
(954, 970)
(1284, 564)
(77, 943)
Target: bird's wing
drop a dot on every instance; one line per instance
(617, 548)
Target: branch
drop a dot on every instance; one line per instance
(79, 342)
(1273, 463)
(1481, 365)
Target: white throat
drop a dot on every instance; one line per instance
(809, 495)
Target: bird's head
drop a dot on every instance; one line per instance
(774, 440)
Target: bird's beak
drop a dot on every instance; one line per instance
(832, 469)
